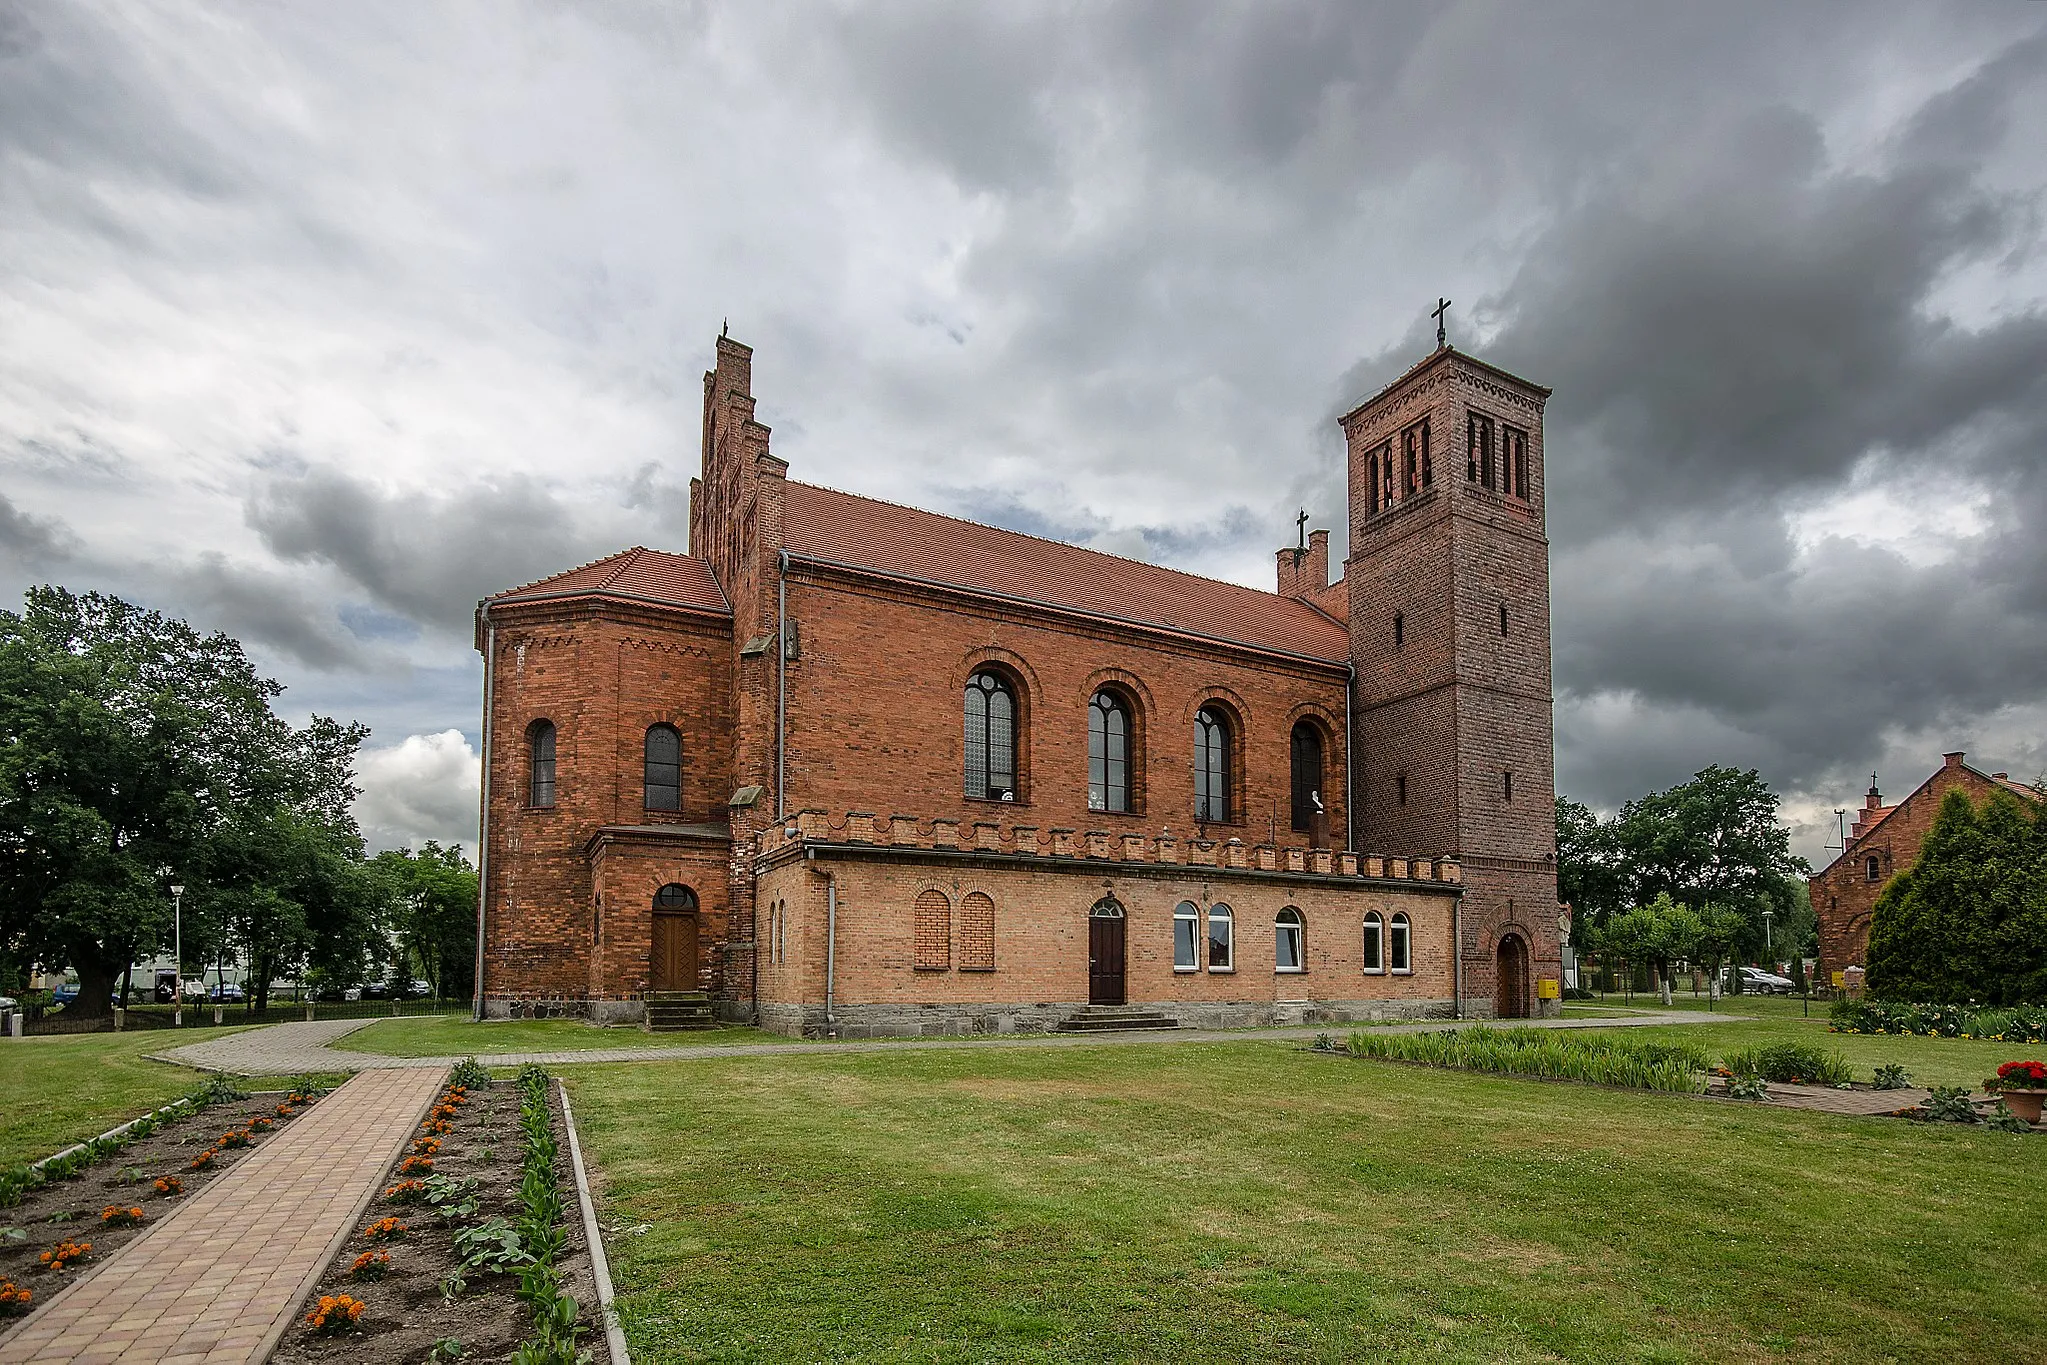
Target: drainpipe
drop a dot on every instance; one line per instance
(831, 950)
(490, 677)
(1457, 957)
(781, 684)
(1350, 721)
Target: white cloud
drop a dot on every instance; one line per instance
(424, 787)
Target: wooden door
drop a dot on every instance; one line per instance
(1510, 988)
(675, 952)
(1105, 958)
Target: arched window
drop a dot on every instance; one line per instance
(1211, 765)
(540, 763)
(1306, 747)
(1108, 753)
(1398, 953)
(1875, 867)
(1399, 629)
(663, 768)
(991, 738)
(1186, 937)
(977, 932)
(1375, 943)
(675, 897)
(1289, 941)
(931, 929)
(1222, 948)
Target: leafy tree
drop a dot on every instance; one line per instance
(1968, 921)
(1588, 871)
(1659, 933)
(431, 896)
(131, 743)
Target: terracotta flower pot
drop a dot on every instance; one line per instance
(2025, 1103)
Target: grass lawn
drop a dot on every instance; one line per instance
(445, 1035)
(62, 1089)
(1930, 1061)
(1247, 1200)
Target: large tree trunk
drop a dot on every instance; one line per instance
(1663, 983)
(96, 976)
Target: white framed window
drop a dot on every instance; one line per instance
(1375, 943)
(1186, 937)
(1222, 944)
(1289, 942)
(1397, 936)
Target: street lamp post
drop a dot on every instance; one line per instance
(1769, 953)
(178, 952)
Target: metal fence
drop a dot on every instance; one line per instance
(40, 1019)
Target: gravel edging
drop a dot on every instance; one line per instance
(600, 1267)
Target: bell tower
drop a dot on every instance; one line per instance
(1450, 637)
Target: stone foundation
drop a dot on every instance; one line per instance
(953, 1020)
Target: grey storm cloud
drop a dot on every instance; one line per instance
(301, 334)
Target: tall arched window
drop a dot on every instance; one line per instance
(540, 763)
(1211, 765)
(1399, 951)
(1222, 944)
(931, 931)
(1289, 941)
(1108, 753)
(1186, 937)
(1306, 747)
(1375, 943)
(991, 738)
(664, 768)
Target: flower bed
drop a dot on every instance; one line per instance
(1636, 1064)
(61, 1216)
(2009, 1024)
(491, 1261)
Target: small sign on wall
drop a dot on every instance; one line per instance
(1840, 980)
(1546, 988)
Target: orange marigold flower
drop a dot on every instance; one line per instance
(114, 1216)
(169, 1185)
(371, 1265)
(416, 1165)
(334, 1312)
(13, 1298)
(425, 1146)
(386, 1229)
(60, 1256)
(204, 1159)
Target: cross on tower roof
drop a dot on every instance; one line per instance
(1302, 522)
(1442, 307)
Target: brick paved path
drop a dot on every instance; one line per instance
(1864, 1103)
(218, 1279)
(293, 1049)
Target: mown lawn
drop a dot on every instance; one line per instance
(1930, 1061)
(61, 1089)
(441, 1035)
(1249, 1201)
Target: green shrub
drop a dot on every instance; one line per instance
(1598, 1059)
(1891, 1076)
(1948, 1104)
(1790, 1064)
(2009, 1024)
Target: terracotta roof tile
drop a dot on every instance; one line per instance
(823, 523)
(638, 574)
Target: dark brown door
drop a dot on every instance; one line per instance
(1510, 989)
(675, 952)
(1105, 958)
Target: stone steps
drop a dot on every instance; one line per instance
(678, 1011)
(1114, 1019)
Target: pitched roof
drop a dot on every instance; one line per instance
(635, 575)
(842, 528)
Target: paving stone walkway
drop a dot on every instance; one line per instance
(217, 1281)
(296, 1048)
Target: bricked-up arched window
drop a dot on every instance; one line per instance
(931, 930)
(1108, 753)
(1186, 937)
(1514, 462)
(977, 932)
(991, 737)
(664, 768)
(1305, 752)
(540, 763)
(1222, 943)
(1375, 943)
(1211, 765)
(1399, 952)
(1289, 942)
(1478, 460)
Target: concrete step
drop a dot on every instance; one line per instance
(1113, 1019)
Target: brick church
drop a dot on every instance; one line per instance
(849, 767)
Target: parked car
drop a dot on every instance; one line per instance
(1756, 981)
(225, 991)
(64, 994)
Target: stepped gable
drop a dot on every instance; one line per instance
(865, 533)
(635, 575)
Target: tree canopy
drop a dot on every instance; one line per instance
(1968, 920)
(136, 752)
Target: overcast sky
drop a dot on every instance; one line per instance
(318, 322)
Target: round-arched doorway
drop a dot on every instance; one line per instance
(1510, 978)
(674, 965)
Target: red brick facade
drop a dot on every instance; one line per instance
(1885, 841)
(812, 652)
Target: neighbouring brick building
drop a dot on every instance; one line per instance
(851, 766)
(1883, 842)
